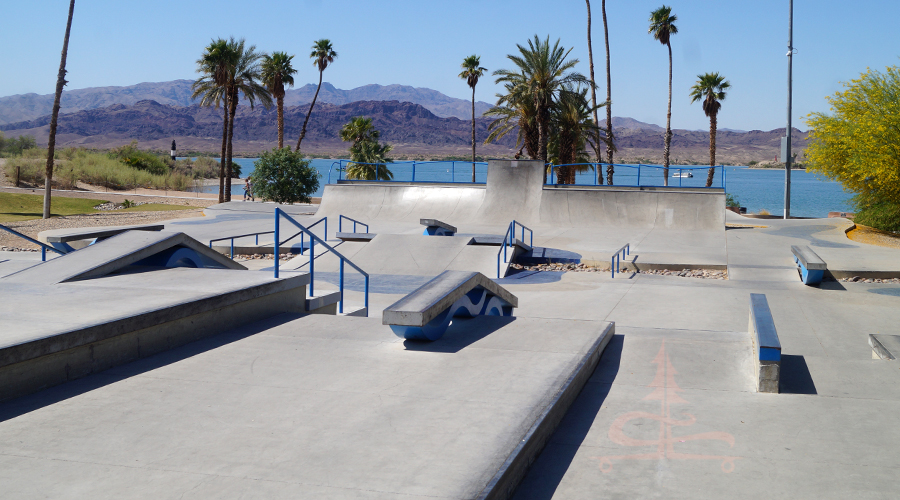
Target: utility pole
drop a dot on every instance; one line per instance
(786, 144)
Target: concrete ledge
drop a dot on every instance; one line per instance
(513, 470)
(766, 345)
(67, 235)
(885, 346)
(355, 236)
(31, 366)
(323, 304)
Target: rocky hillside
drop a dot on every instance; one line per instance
(26, 107)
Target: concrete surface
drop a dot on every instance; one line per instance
(311, 407)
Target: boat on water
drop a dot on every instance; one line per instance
(682, 174)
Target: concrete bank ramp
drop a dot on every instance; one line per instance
(515, 190)
(118, 252)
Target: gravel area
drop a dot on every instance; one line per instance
(584, 268)
(33, 227)
(857, 279)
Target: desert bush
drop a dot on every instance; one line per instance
(130, 155)
(30, 171)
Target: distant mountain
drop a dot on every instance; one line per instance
(411, 128)
(26, 107)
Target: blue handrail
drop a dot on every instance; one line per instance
(354, 221)
(637, 168)
(302, 234)
(312, 241)
(509, 239)
(43, 246)
(616, 258)
(257, 234)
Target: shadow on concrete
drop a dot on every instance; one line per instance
(26, 404)
(885, 291)
(795, 377)
(545, 476)
(832, 285)
(461, 333)
(525, 277)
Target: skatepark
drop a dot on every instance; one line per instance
(164, 362)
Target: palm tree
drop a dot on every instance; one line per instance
(515, 111)
(574, 130)
(51, 141)
(212, 88)
(323, 55)
(710, 88)
(276, 73)
(359, 129)
(662, 27)
(243, 78)
(472, 71)
(610, 139)
(594, 87)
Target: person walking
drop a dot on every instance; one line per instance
(248, 190)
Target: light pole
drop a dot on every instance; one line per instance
(786, 141)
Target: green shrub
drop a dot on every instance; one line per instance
(142, 160)
(30, 171)
(731, 201)
(876, 213)
(283, 176)
(17, 145)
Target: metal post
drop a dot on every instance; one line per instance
(326, 229)
(257, 239)
(341, 306)
(414, 171)
(787, 159)
(453, 171)
(277, 212)
(639, 175)
(232, 248)
(312, 262)
(302, 242)
(367, 295)
(43, 254)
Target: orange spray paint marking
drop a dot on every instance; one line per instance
(665, 390)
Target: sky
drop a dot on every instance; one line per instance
(422, 43)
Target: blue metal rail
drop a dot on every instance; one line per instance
(509, 240)
(43, 246)
(313, 239)
(616, 258)
(553, 169)
(354, 221)
(342, 167)
(257, 235)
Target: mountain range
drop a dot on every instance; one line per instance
(412, 129)
(24, 107)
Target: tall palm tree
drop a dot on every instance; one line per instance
(662, 27)
(545, 71)
(243, 78)
(276, 73)
(472, 71)
(610, 139)
(212, 88)
(574, 130)
(594, 87)
(359, 129)
(323, 55)
(515, 111)
(710, 88)
(51, 141)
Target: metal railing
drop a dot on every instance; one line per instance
(397, 168)
(616, 258)
(354, 221)
(257, 235)
(44, 247)
(509, 240)
(636, 169)
(313, 239)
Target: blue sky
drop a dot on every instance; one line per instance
(422, 42)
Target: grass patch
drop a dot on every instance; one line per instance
(19, 207)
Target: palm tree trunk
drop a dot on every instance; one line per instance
(609, 127)
(543, 119)
(280, 122)
(712, 150)
(306, 120)
(473, 133)
(51, 141)
(225, 108)
(668, 122)
(593, 93)
(232, 111)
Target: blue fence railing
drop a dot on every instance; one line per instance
(417, 171)
(44, 247)
(260, 233)
(509, 240)
(313, 239)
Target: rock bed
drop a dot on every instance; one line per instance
(118, 206)
(584, 268)
(857, 279)
(14, 249)
(263, 256)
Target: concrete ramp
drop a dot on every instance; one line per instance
(118, 252)
(370, 202)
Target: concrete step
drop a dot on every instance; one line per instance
(360, 312)
(323, 304)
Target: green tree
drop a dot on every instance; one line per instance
(276, 73)
(858, 144)
(471, 72)
(212, 89)
(710, 88)
(662, 27)
(542, 71)
(54, 116)
(359, 129)
(515, 111)
(367, 154)
(283, 176)
(243, 79)
(573, 131)
(322, 54)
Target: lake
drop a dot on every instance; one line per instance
(811, 195)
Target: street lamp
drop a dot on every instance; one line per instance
(786, 140)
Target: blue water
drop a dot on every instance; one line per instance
(757, 189)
